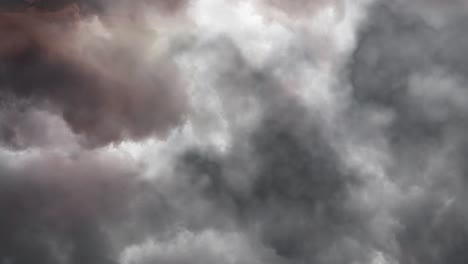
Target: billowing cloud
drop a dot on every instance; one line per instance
(105, 86)
(410, 64)
(217, 131)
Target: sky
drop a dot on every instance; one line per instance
(233, 131)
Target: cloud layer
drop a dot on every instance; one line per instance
(210, 131)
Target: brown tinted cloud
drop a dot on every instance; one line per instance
(105, 88)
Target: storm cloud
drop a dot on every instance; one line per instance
(216, 131)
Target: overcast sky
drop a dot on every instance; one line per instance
(233, 132)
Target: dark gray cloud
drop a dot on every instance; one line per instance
(55, 207)
(395, 47)
(121, 145)
(413, 67)
(94, 6)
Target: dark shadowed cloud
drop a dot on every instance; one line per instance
(57, 207)
(103, 89)
(413, 67)
(217, 131)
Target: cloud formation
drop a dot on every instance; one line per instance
(104, 85)
(210, 131)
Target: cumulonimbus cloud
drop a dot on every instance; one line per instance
(211, 131)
